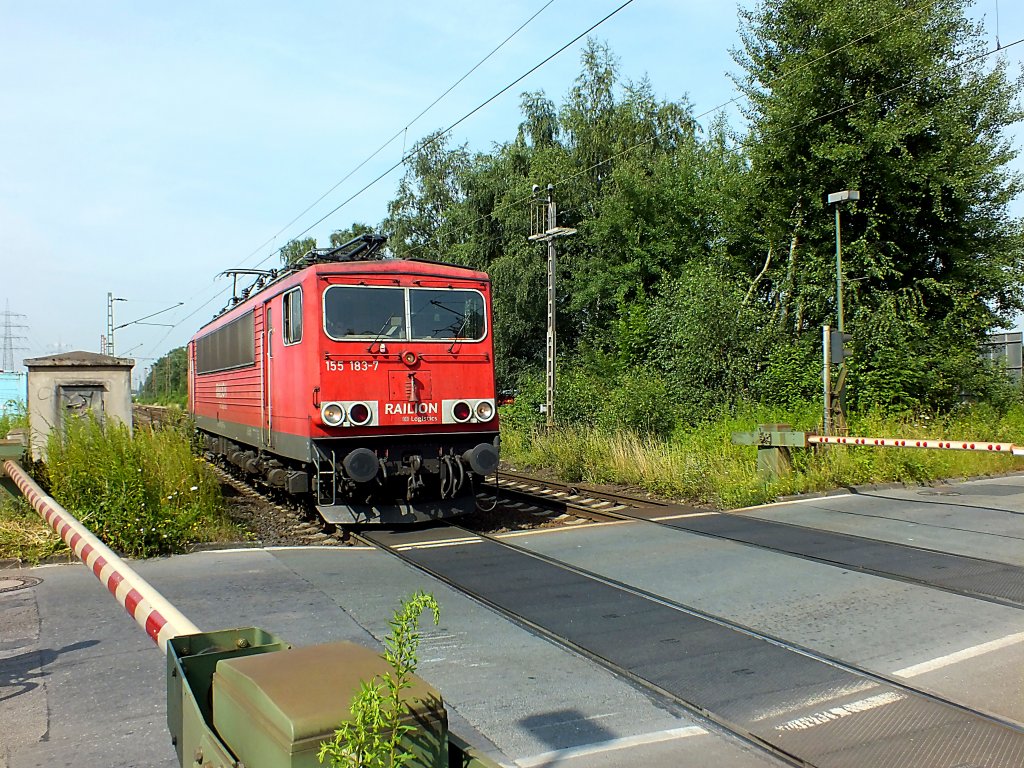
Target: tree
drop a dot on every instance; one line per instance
(417, 224)
(296, 249)
(167, 382)
(342, 236)
(897, 101)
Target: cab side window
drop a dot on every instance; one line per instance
(292, 317)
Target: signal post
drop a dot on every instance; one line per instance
(544, 228)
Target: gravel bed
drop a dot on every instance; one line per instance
(261, 522)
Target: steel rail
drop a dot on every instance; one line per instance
(621, 513)
(700, 712)
(693, 707)
(151, 610)
(582, 490)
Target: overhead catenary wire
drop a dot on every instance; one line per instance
(434, 138)
(401, 132)
(966, 59)
(638, 145)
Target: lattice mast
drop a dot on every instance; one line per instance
(10, 337)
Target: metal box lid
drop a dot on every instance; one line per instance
(289, 701)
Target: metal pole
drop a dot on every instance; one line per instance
(110, 325)
(826, 376)
(839, 275)
(552, 223)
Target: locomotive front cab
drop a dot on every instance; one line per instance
(406, 405)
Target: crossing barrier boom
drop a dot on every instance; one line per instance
(231, 694)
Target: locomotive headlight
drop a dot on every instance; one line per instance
(332, 414)
(359, 414)
(461, 411)
(485, 410)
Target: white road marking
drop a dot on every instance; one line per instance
(561, 755)
(563, 529)
(958, 656)
(438, 544)
(835, 713)
(685, 514)
(815, 701)
(807, 500)
(825, 716)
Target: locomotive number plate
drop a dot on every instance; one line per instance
(356, 366)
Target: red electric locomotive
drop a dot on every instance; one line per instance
(367, 382)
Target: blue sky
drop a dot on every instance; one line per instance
(148, 147)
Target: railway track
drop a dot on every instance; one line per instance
(804, 707)
(290, 523)
(988, 580)
(791, 701)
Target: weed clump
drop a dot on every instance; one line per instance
(373, 737)
(143, 494)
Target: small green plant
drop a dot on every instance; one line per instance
(372, 738)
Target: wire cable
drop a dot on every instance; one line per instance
(632, 148)
(566, 179)
(401, 132)
(434, 138)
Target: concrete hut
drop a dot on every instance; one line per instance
(74, 383)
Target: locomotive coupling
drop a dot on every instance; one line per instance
(483, 459)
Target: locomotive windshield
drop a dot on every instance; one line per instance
(359, 312)
(446, 314)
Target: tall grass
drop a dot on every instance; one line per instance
(23, 534)
(143, 494)
(700, 464)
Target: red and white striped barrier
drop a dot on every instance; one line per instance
(952, 445)
(149, 608)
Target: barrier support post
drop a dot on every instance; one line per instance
(773, 442)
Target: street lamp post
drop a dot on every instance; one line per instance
(835, 416)
(840, 197)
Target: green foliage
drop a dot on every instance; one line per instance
(709, 345)
(167, 381)
(144, 494)
(791, 375)
(709, 263)
(699, 463)
(294, 250)
(342, 236)
(910, 117)
(373, 737)
(14, 417)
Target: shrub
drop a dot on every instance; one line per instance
(143, 494)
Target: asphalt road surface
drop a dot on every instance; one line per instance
(80, 684)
